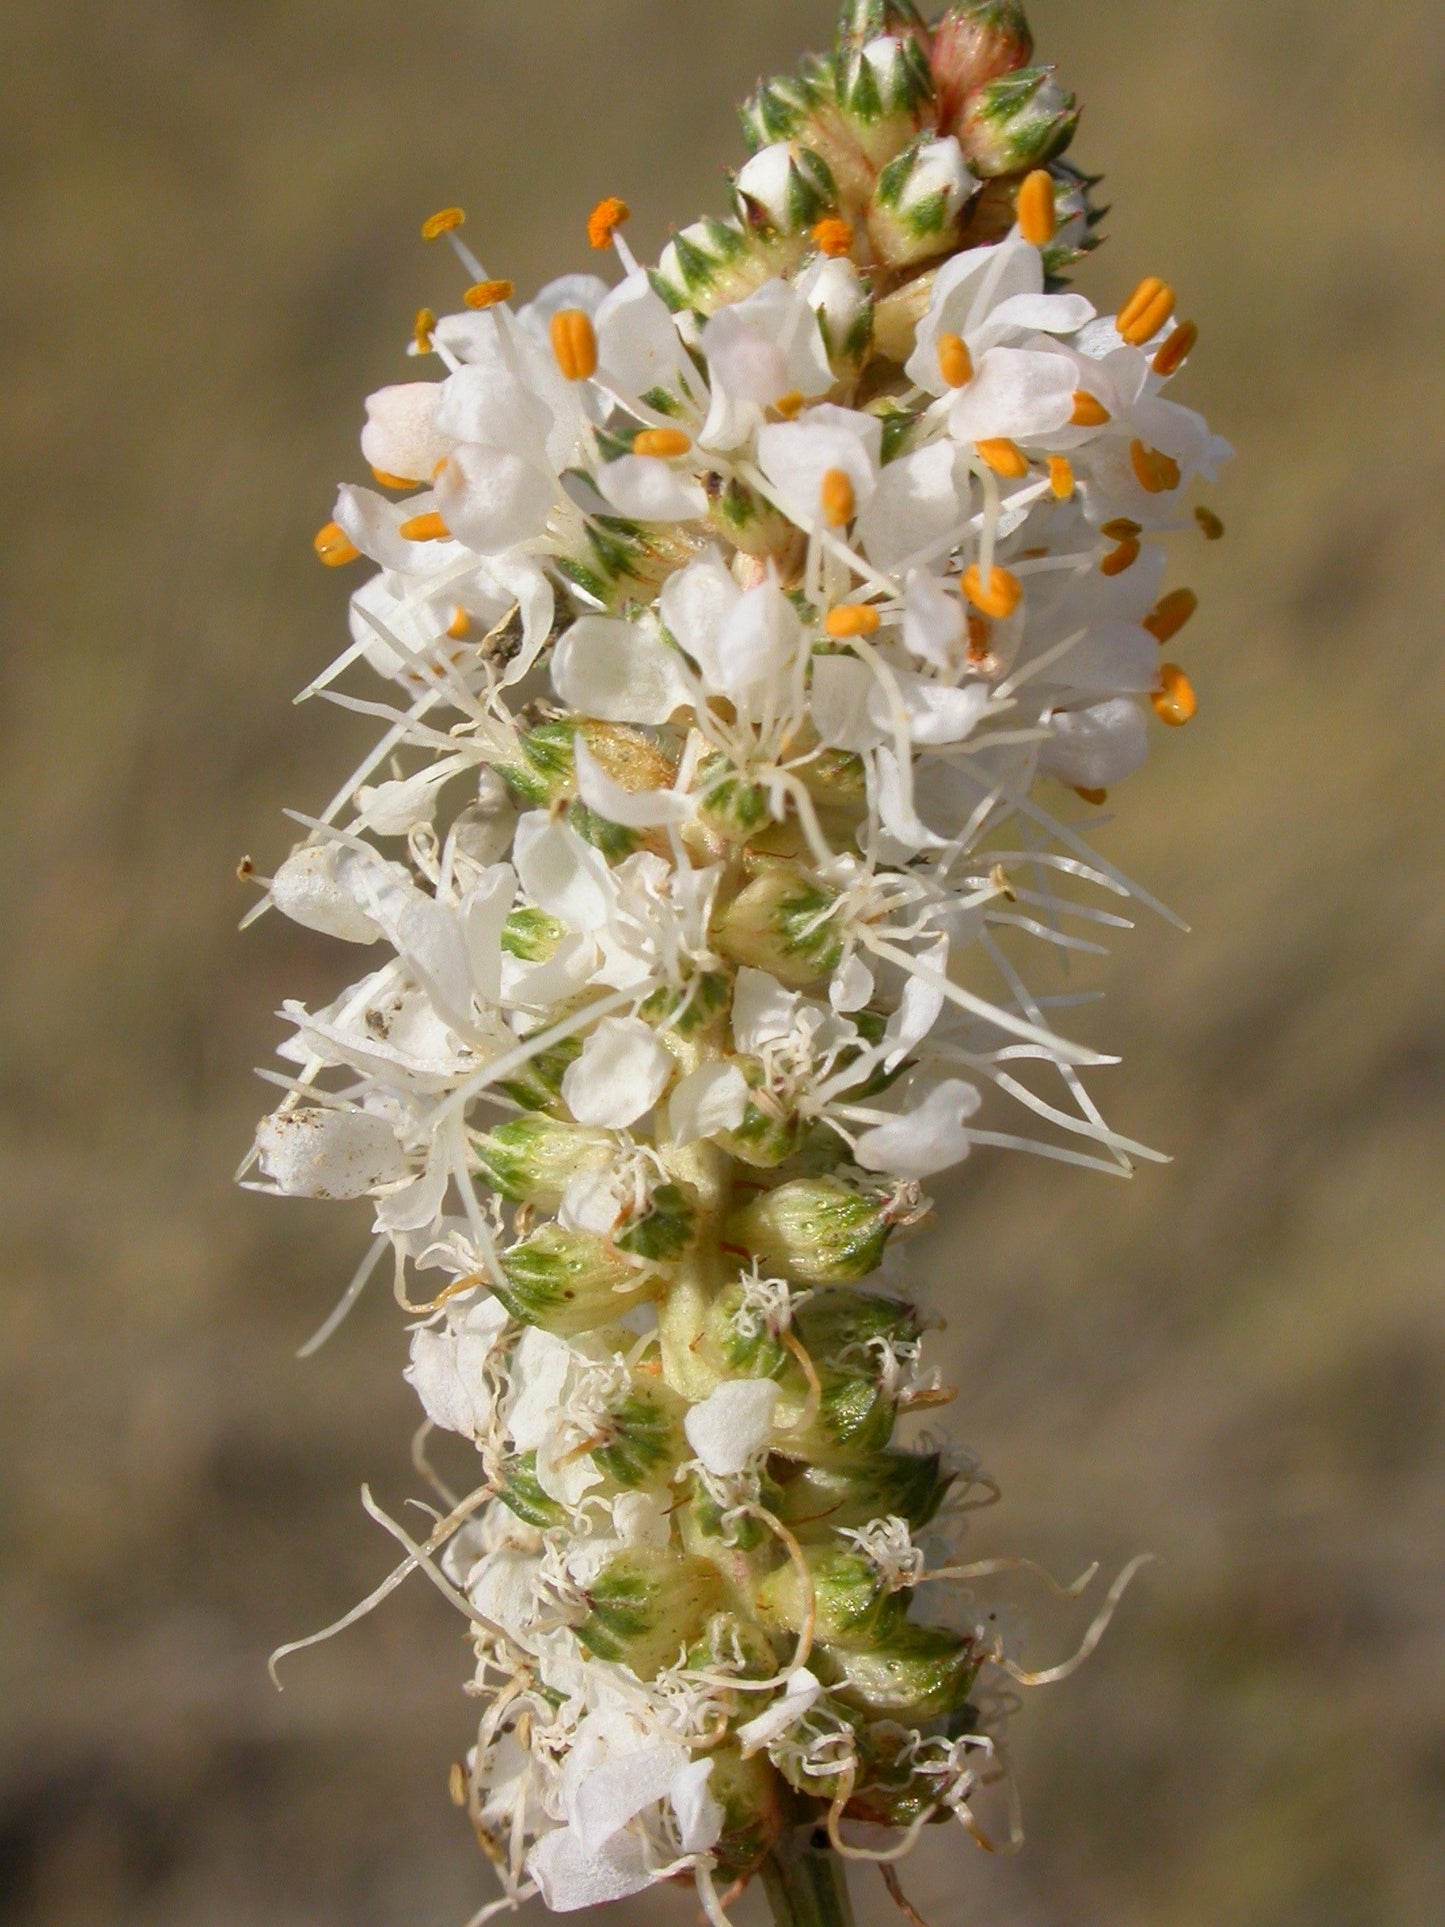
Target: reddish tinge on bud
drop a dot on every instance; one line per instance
(976, 42)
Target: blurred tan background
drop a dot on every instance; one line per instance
(210, 215)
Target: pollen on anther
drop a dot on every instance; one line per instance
(1061, 477)
(1177, 349)
(1210, 523)
(1035, 208)
(664, 442)
(1175, 702)
(460, 626)
(838, 499)
(335, 547)
(1120, 529)
(1157, 473)
(1145, 312)
(1122, 558)
(488, 294)
(1089, 411)
(442, 222)
(605, 219)
(791, 405)
(393, 481)
(1004, 457)
(851, 619)
(422, 330)
(999, 598)
(1097, 797)
(955, 363)
(833, 236)
(574, 343)
(1169, 616)
(425, 528)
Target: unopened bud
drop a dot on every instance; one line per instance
(912, 1674)
(646, 1607)
(865, 20)
(1016, 123)
(834, 290)
(849, 1592)
(644, 1437)
(817, 1230)
(884, 93)
(781, 923)
(531, 1160)
(816, 1500)
(976, 42)
(570, 1282)
(707, 266)
(751, 1797)
(787, 187)
(778, 110)
(919, 202)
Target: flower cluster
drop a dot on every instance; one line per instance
(744, 627)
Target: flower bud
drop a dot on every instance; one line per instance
(975, 42)
(644, 1437)
(835, 292)
(851, 1597)
(839, 1325)
(911, 1674)
(645, 1607)
(778, 110)
(883, 92)
(865, 20)
(569, 1282)
(781, 923)
(768, 1133)
(545, 771)
(521, 1492)
(816, 1229)
(1077, 232)
(707, 266)
(1017, 123)
(531, 1159)
(919, 202)
(815, 1500)
(856, 1415)
(785, 188)
(664, 1228)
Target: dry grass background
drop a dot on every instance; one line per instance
(210, 211)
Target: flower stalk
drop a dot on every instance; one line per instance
(749, 630)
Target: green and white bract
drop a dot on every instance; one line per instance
(742, 631)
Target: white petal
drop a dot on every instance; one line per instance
(795, 457)
(1050, 314)
(561, 874)
(487, 404)
(693, 605)
(571, 1878)
(768, 345)
(637, 341)
(619, 672)
(852, 987)
(447, 1373)
(923, 1141)
(621, 1074)
(729, 1429)
(484, 912)
(646, 489)
(616, 1792)
(936, 712)
(319, 1153)
(1092, 748)
(964, 291)
(639, 1519)
(933, 620)
(699, 1817)
(712, 1098)
(314, 888)
(536, 603)
(842, 692)
(919, 500)
(1017, 393)
(803, 1693)
(634, 809)
(491, 499)
(763, 1012)
(418, 1206)
(540, 1369)
(1113, 656)
(757, 646)
(401, 436)
(918, 1011)
(431, 938)
(896, 808)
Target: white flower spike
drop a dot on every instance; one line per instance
(748, 631)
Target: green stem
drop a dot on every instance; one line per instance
(806, 1888)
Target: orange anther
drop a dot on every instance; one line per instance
(436, 225)
(1002, 595)
(1097, 797)
(851, 619)
(838, 500)
(393, 481)
(1145, 312)
(1089, 411)
(833, 237)
(335, 547)
(1174, 700)
(791, 405)
(955, 363)
(1122, 558)
(1034, 207)
(1004, 457)
(574, 343)
(605, 219)
(1120, 529)
(487, 294)
(1158, 473)
(1176, 350)
(422, 330)
(460, 626)
(425, 528)
(665, 442)
(1061, 477)
(1210, 523)
(1169, 616)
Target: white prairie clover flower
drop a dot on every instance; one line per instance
(742, 629)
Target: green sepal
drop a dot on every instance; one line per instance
(569, 1282)
(646, 1607)
(645, 1437)
(531, 1159)
(909, 1673)
(537, 1086)
(815, 1500)
(521, 1493)
(780, 923)
(852, 1603)
(532, 936)
(666, 1228)
(1021, 121)
(817, 1230)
